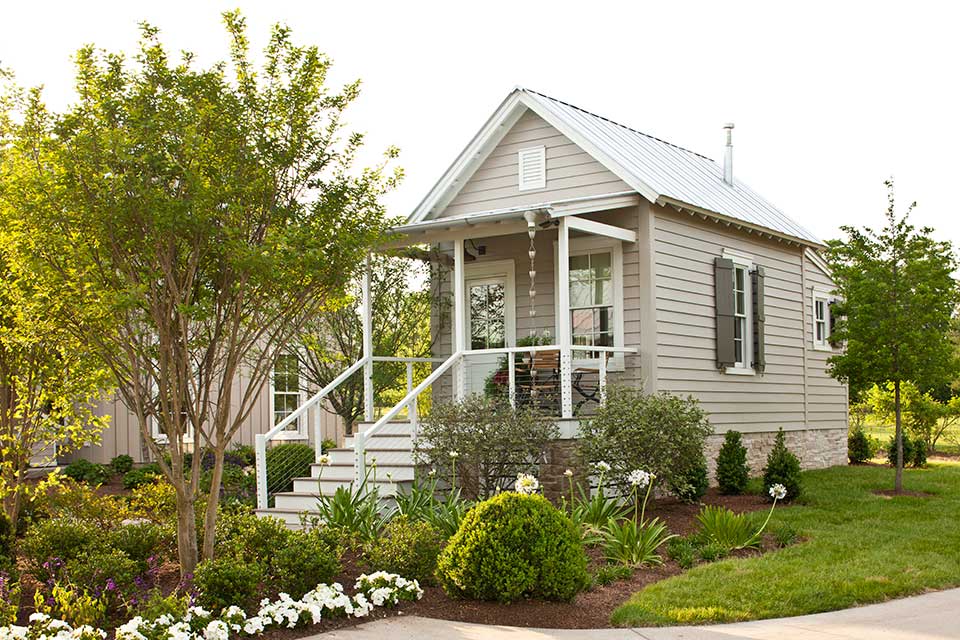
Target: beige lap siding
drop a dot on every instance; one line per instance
(571, 172)
(827, 400)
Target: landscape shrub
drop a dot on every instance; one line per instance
(408, 548)
(914, 451)
(244, 536)
(245, 453)
(76, 499)
(493, 442)
(10, 592)
(286, 462)
(683, 552)
(783, 467)
(690, 481)
(140, 541)
(155, 501)
(223, 582)
(307, 560)
(100, 570)
(58, 540)
(733, 473)
(660, 433)
(140, 476)
(860, 447)
(711, 552)
(121, 464)
(83, 470)
(513, 546)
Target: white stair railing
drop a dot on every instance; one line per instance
(260, 446)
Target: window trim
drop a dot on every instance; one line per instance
(582, 245)
(744, 262)
(820, 293)
(301, 432)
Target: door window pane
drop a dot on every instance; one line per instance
(591, 299)
(487, 315)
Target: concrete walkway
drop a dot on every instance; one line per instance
(926, 617)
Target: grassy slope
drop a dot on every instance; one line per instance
(861, 548)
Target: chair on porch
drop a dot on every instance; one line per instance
(538, 385)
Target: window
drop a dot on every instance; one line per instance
(286, 391)
(821, 320)
(487, 314)
(532, 168)
(591, 299)
(742, 283)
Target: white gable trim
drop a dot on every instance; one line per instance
(818, 262)
(490, 135)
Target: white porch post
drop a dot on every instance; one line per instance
(367, 344)
(459, 319)
(563, 320)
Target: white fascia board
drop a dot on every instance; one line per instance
(601, 229)
(473, 155)
(818, 262)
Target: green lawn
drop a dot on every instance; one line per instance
(948, 443)
(860, 548)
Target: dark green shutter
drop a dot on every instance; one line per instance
(723, 296)
(759, 317)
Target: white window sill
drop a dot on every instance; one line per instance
(822, 347)
(740, 371)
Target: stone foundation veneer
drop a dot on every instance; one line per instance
(816, 448)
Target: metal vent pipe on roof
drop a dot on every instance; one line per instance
(728, 155)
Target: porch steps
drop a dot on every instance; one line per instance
(389, 460)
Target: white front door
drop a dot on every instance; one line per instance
(491, 318)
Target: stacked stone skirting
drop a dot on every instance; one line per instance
(816, 448)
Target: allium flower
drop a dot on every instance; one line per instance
(526, 484)
(323, 460)
(603, 467)
(432, 473)
(454, 454)
(778, 491)
(639, 478)
(568, 473)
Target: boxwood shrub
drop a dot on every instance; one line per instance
(224, 582)
(408, 548)
(514, 546)
(733, 474)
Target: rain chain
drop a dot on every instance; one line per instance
(532, 252)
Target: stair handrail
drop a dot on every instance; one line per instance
(360, 437)
(261, 440)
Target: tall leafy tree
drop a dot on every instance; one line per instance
(401, 312)
(199, 217)
(897, 297)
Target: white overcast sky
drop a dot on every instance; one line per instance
(829, 99)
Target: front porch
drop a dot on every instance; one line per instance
(537, 317)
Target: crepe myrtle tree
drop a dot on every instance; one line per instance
(199, 217)
(897, 296)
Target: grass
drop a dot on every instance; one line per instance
(859, 548)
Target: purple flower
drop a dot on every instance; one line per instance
(111, 585)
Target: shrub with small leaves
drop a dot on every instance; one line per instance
(513, 546)
(155, 500)
(85, 471)
(121, 464)
(224, 582)
(245, 536)
(733, 473)
(914, 451)
(102, 571)
(140, 541)
(783, 467)
(140, 476)
(306, 561)
(690, 483)
(408, 548)
(859, 447)
(51, 542)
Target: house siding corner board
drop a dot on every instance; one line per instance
(571, 172)
(685, 248)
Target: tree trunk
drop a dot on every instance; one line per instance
(213, 502)
(898, 483)
(186, 533)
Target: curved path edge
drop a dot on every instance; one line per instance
(930, 616)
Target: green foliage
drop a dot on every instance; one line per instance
(286, 462)
(56, 539)
(660, 433)
(406, 547)
(10, 593)
(925, 417)
(121, 464)
(592, 513)
(860, 447)
(244, 536)
(140, 476)
(728, 530)
(690, 482)
(225, 581)
(92, 568)
(155, 604)
(633, 544)
(140, 541)
(733, 473)
(306, 561)
(783, 467)
(609, 573)
(74, 606)
(712, 551)
(356, 511)
(155, 500)
(683, 552)
(494, 441)
(83, 470)
(513, 546)
(423, 504)
(785, 534)
(914, 452)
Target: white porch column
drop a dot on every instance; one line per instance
(563, 320)
(367, 344)
(459, 319)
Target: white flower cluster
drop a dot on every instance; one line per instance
(778, 491)
(526, 484)
(603, 467)
(639, 478)
(374, 590)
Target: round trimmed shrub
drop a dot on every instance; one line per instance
(49, 543)
(306, 561)
(783, 467)
(140, 541)
(224, 582)
(513, 546)
(121, 464)
(286, 462)
(733, 474)
(408, 548)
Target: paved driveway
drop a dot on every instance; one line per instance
(926, 617)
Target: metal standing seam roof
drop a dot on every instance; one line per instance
(662, 172)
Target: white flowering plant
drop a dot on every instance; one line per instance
(380, 589)
(526, 484)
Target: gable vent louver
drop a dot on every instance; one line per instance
(532, 168)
